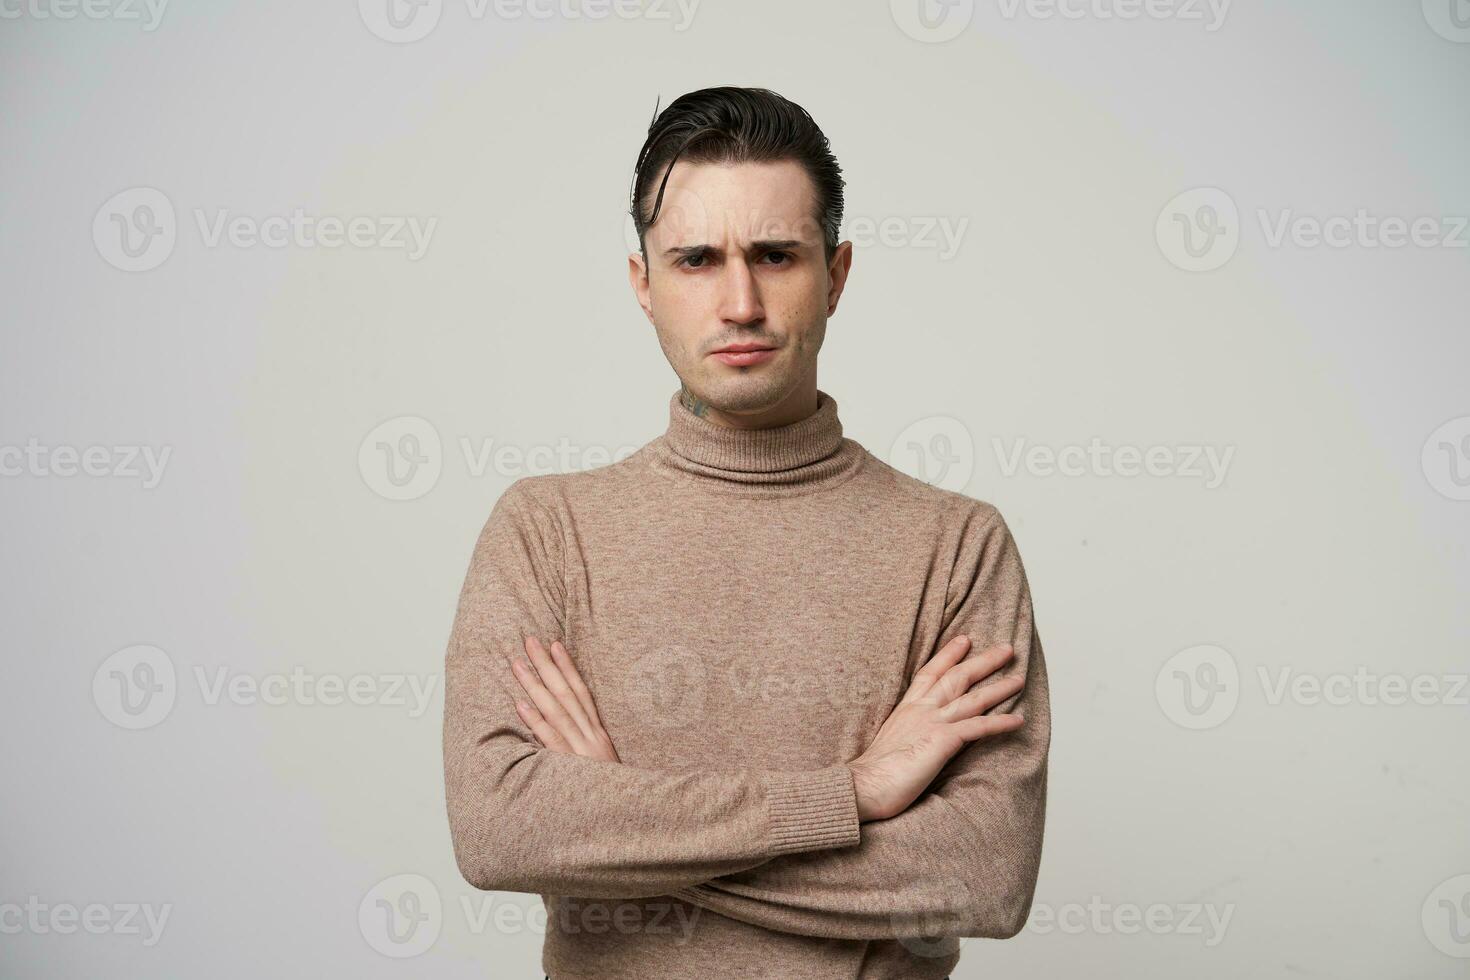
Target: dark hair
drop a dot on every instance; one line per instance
(737, 125)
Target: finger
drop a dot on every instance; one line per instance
(574, 681)
(947, 656)
(970, 671)
(982, 698)
(984, 726)
(541, 728)
(551, 676)
(546, 702)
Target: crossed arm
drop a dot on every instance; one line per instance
(539, 802)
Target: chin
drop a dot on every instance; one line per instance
(754, 390)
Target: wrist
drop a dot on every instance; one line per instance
(860, 791)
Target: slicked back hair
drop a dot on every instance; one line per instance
(727, 125)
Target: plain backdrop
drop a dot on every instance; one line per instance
(1129, 194)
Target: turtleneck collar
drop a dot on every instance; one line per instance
(803, 456)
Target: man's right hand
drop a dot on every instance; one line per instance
(940, 712)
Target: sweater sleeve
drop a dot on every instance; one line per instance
(525, 818)
(963, 859)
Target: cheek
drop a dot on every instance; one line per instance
(797, 301)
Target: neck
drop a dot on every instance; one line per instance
(801, 456)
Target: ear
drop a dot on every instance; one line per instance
(638, 279)
(837, 271)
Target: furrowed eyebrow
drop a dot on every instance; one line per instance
(764, 245)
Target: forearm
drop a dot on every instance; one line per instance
(962, 860)
(776, 849)
(523, 818)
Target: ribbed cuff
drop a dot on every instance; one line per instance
(813, 810)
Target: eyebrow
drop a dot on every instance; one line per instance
(764, 245)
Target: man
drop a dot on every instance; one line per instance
(782, 709)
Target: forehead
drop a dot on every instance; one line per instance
(740, 202)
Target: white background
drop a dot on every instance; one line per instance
(1332, 833)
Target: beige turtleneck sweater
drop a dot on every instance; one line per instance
(747, 607)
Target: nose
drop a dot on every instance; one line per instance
(740, 298)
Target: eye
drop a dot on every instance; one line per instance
(784, 255)
(694, 261)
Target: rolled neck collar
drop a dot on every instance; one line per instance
(802, 456)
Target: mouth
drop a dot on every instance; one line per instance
(744, 355)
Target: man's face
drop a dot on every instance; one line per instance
(736, 258)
